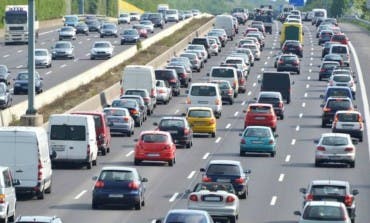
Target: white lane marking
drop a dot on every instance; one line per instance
(287, 158)
(249, 93)
(254, 84)
(312, 53)
(43, 43)
(300, 115)
(19, 66)
(218, 140)
(228, 126)
(271, 52)
(311, 64)
(130, 153)
(205, 156)
(177, 111)
(307, 85)
(80, 42)
(309, 78)
(310, 70)
(236, 114)
(273, 200)
(80, 194)
(305, 95)
(365, 100)
(311, 58)
(49, 72)
(88, 39)
(63, 65)
(115, 42)
(191, 174)
(5, 56)
(173, 198)
(293, 142)
(19, 51)
(312, 49)
(44, 33)
(262, 69)
(303, 104)
(268, 57)
(258, 76)
(88, 54)
(243, 103)
(281, 177)
(297, 128)
(266, 63)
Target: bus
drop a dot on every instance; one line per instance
(291, 31)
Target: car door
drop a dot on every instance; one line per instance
(9, 190)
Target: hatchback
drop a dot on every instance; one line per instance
(119, 121)
(82, 28)
(184, 76)
(334, 57)
(179, 129)
(131, 104)
(293, 46)
(227, 92)
(196, 63)
(332, 105)
(6, 98)
(258, 139)
(149, 102)
(323, 211)
(350, 122)
(343, 80)
(119, 186)
(4, 74)
(327, 68)
(202, 120)
(325, 36)
(143, 108)
(42, 58)
(340, 38)
(275, 99)
(289, 62)
(261, 115)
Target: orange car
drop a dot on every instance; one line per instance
(260, 114)
(155, 146)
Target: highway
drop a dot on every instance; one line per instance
(15, 56)
(274, 182)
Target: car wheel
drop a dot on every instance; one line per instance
(273, 154)
(40, 195)
(138, 205)
(243, 195)
(213, 134)
(94, 162)
(188, 145)
(129, 134)
(231, 102)
(94, 205)
(320, 78)
(323, 124)
(317, 163)
(48, 190)
(171, 162)
(241, 153)
(352, 164)
(89, 165)
(281, 117)
(12, 218)
(232, 219)
(103, 151)
(198, 70)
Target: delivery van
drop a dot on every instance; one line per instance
(225, 22)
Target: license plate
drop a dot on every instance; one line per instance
(347, 126)
(335, 157)
(288, 65)
(223, 180)
(58, 148)
(202, 102)
(212, 198)
(173, 131)
(257, 142)
(115, 195)
(153, 154)
(260, 118)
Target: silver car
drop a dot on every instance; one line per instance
(42, 58)
(149, 26)
(200, 48)
(164, 91)
(335, 148)
(186, 216)
(120, 121)
(101, 49)
(63, 49)
(323, 212)
(67, 32)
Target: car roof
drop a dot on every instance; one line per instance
(339, 98)
(338, 87)
(173, 118)
(348, 112)
(330, 182)
(227, 162)
(200, 108)
(187, 211)
(205, 84)
(257, 127)
(273, 94)
(324, 203)
(121, 168)
(154, 132)
(334, 134)
(260, 104)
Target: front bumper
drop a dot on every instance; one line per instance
(217, 211)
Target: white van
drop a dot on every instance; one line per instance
(205, 95)
(139, 77)
(25, 151)
(226, 73)
(318, 13)
(225, 22)
(342, 50)
(7, 190)
(72, 138)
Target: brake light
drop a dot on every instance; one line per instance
(133, 185)
(348, 200)
(125, 119)
(186, 131)
(212, 121)
(295, 63)
(152, 92)
(309, 197)
(280, 62)
(230, 199)
(2, 198)
(285, 48)
(39, 173)
(322, 70)
(271, 142)
(239, 180)
(146, 99)
(326, 109)
(134, 112)
(234, 84)
(320, 148)
(281, 104)
(348, 149)
(230, 92)
(99, 184)
(167, 147)
(206, 179)
(188, 101)
(172, 81)
(242, 141)
(331, 83)
(193, 197)
(161, 91)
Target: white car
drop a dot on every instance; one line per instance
(172, 15)
(200, 48)
(345, 80)
(134, 16)
(323, 211)
(67, 32)
(7, 195)
(149, 26)
(42, 58)
(214, 47)
(350, 122)
(164, 91)
(124, 18)
(255, 50)
(101, 49)
(218, 199)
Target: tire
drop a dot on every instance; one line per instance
(320, 79)
(273, 154)
(188, 145)
(281, 117)
(104, 152)
(241, 153)
(352, 164)
(171, 162)
(317, 163)
(40, 195)
(89, 165)
(94, 163)
(129, 134)
(323, 124)
(94, 205)
(213, 134)
(243, 195)
(48, 190)
(232, 219)
(231, 102)
(137, 162)
(138, 206)
(12, 218)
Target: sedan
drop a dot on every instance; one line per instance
(119, 186)
(130, 36)
(327, 68)
(82, 28)
(101, 49)
(155, 146)
(289, 62)
(335, 148)
(67, 32)
(21, 83)
(323, 211)
(148, 25)
(6, 97)
(42, 58)
(164, 91)
(63, 49)
(119, 120)
(4, 74)
(258, 139)
(108, 29)
(186, 216)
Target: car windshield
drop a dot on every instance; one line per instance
(108, 26)
(200, 114)
(124, 103)
(203, 91)
(339, 104)
(186, 218)
(195, 47)
(323, 190)
(260, 109)
(116, 175)
(115, 112)
(334, 141)
(222, 72)
(40, 53)
(153, 138)
(62, 45)
(223, 169)
(22, 76)
(67, 28)
(130, 32)
(323, 213)
(101, 45)
(257, 132)
(348, 117)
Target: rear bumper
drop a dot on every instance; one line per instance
(257, 148)
(127, 199)
(353, 133)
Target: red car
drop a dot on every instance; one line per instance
(260, 114)
(103, 137)
(250, 30)
(143, 32)
(155, 146)
(340, 38)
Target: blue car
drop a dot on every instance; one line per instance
(130, 36)
(21, 83)
(119, 186)
(258, 139)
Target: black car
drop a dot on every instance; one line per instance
(4, 74)
(82, 28)
(130, 36)
(327, 68)
(184, 77)
(21, 83)
(325, 36)
(157, 19)
(179, 129)
(289, 62)
(6, 97)
(108, 29)
(134, 108)
(275, 99)
(202, 41)
(334, 57)
(293, 46)
(94, 25)
(169, 75)
(332, 105)
(143, 108)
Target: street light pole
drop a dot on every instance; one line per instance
(31, 58)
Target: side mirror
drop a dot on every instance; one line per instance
(355, 192)
(155, 124)
(94, 178)
(255, 99)
(144, 179)
(303, 190)
(318, 66)
(298, 213)
(355, 141)
(16, 182)
(248, 171)
(202, 170)
(53, 155)
(158, 221)
(244, 111)
(41, 78)
(240, 134)
(108, 106)
(321, 96)
(142, 107)
(276, 135)
(316, 141)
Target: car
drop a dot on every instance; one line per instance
(323, 211)
(82, 28)
(218, 42)
(250, 29)
(331, 106)
(38, 219)
(202, 120)
(124, 18)
(183, 75)
(129, 36)
(214, 48)
(4, 74)
(242, 62)
(326, 68)
(8, 195)
(289, 62)
(179, 129)
(119, 121)
(345, 80)
(143, 108)
(21, 83)
(172, 15)
(186, 216)
(221, 34)
(334, 57)
(326, 48)
(218, 199)
(293, 46)
(155, 146)
(228, 171)
(149, 26)
(119, 185)
(67, 32)
(133, 106)
(188, 14)
(108, 29)
(260, 114)
(340, 38)
(63, 49)
(6, 98)
(135, 16)
(325, 36)
(170, 76)
(203, 41)
(248, 52)
(275, 99)
(337, 91)
(205, 95)
(343, 51)
(350, 122)
(332, 190)
(227, 92)
(258, 139)
(149, 101)
(101, 49)
(157, 19)
(181, 61)
(143, 32)
(164, 91)
(201, 48)
(255, 50)
(196, 63)
(94, 25)
(335, 148)
(42, 58)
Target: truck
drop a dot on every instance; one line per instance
(16, 19)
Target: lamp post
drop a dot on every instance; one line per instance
(31, 58)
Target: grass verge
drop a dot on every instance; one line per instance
(112, 76)
(358, 23)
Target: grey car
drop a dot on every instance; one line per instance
(186, 215)
(101, 49)
(63, 49)
(119, 121)
(108, 29)
(6, 97)
(4, 74)
(149, 101)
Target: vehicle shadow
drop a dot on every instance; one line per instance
(87, 207)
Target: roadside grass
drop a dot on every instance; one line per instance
(112, 76)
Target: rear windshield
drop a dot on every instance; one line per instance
(233, 61)
(339, 37)
(223, 169)
(338, 78)
(172, 123)
(339, 104)
(115, 112)
(164, 74)
(339, 49)
(179, 70)
(260, 109)
(334, 141)
(135, 92)
(186, 218)
(124, 104)
(222, 72)
(153, 138)
(68, 132)
(275, 80)
(268, 100)
(328, 190)
(347, 117)
(116, 175)
(324, 213)
(253, 132)
(329, 65)
(203, 91)
(200, 114)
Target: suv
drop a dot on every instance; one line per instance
(350, 122)
(289, 62)
(38, 219)
(149, 102)
(203, 41)
(7, 191)
(293, 46)
(275, 99)
(341, 191)
(228, 171)
(179, 129)
(261, 115)
(332, 105)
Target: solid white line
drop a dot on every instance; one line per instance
(191, 174)
(365, 100)
(309, 78)
(44, 33)
(281, 177)
(293, 142)
(249, 93)
(300, 115)
(297, 128)
(75, 60)
(130, 153)
(218, 140)
(303, 104)
(287, 158)
(173, 198)
(205, 156)
(5, 56)
(236, 114)
(80, 194)
(305, 95)
(254, 84)
(228, 126)
(273, 200)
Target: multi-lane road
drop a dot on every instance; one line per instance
(274, 182)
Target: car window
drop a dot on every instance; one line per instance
(115, 175)
(186, 218)
(68, 132)
(323, 213)
(334, 141)
(342, 78)
(339, 49)
(200, 114)
(329, 65)
(339, 104)
(253, 132)
(289, 58)
(153, 138)
(350, 117)
(124, 103)
(323, 190)
(223, 72)
(260, 109)
(101, 45)
(223, 169)
(7, 179)
(172, 123)
(203, 91)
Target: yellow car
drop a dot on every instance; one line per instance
(202, 120)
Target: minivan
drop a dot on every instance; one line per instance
(225, 22)
(226, 73)
(205, 95)
(72, 139)
(25, 151)
(342, 50)
(277, 81)
(7, 191)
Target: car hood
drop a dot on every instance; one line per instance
(41, 57)
(103, 49)
(62, 50)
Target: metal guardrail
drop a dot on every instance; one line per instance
(355, 17)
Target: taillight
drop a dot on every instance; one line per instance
(134, 112)
(167, 147)
(331, 83)
(320, 148)
(99, 184)
(348, 149)
(326, 109)
(271, 142)
(152, 93)
(348, 200)
(133, 185)
(239, 180)
(188, 101)
(309, 197)
(161, 91)
(285, 48)
(230, 92)
(125, 119)
(193, 197)
(281, 104)
(122, 91)
(2, 198)
(234, 84)
(242, 141)
(212, 121)
(172, 81)
(280, 61)
(295, 63)
(186, 131)
(230, 199)
(206, 179)
(322, 70)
